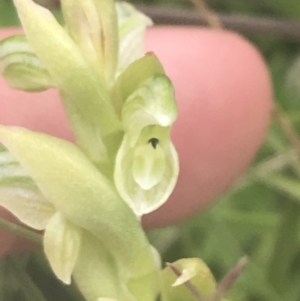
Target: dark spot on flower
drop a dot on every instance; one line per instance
(154, 142)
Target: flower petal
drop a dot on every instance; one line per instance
(132, 26)
(62, 242)
(140, 198)
(147, 166)
(20, 195)
(133, 76)
(149, 163)
(21, 68)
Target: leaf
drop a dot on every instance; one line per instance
(83, 195)
(132, 26)
(62, 243)
(21, 68)
(193, 270)
(284, 184)
(20, 195)
(292, 78)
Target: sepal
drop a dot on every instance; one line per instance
(96, 272)
(153, 103)
(62, 243)
(93, 26)
(20, 66)
(133, 76)
(193, 270)
(83, 195)
(20, 195)
(132, 26)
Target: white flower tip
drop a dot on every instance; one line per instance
(185, 276)
(62, 243)
(66, 279)
(165, 120)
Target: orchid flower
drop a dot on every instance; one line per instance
(88, 197)
(121, 107)
(49, 184)
(119, 101)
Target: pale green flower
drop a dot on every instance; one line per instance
(146, 149)
(49, 184)
(121, 106)
(88, 197)
(119, 102)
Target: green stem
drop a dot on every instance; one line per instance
(20, 231)
(2, 279)
(290, 133)
(284, 247)
(27, 286)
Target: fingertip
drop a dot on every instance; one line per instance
(6, 238)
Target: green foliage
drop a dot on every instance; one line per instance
(8, 16)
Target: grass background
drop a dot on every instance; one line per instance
(259, 217)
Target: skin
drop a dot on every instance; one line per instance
(224, 98)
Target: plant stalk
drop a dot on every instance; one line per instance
(20, 231)
(285, 247)
(27, 286)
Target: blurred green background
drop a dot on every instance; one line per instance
(260, 216)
